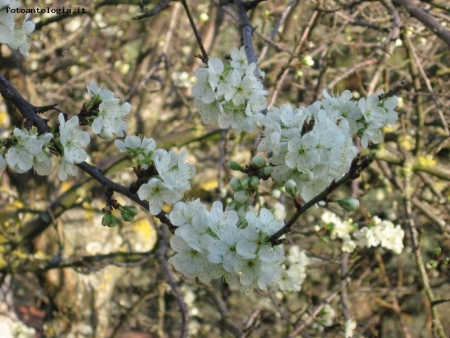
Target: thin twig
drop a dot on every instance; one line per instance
(306, 32)
(277, 26)
(437, 325)
(313, 315)
(198, 37)
(428, 20)
(173, 284)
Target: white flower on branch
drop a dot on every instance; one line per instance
(72, 139)
(20, 36)
(157, 193)
(26, 146)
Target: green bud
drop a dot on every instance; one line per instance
(254, 182)
(267, 170)
(242, 211)
(432, 265)
(128, 213)
(348, 203)
(259, 161)
(232, 205)
(235, 184)
(241, 196)
(234, 166)
(109, 220)
(291, 188)
(245, 182)
(437, 251)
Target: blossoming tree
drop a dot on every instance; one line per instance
(278, 166)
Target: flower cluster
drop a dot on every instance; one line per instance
(173, 173)
(16, 38)
(110, 114)
(376, 115)
(230, 93)
(340, 229)
(308, 146)
(217, 243)
(313, 146)
(295, 270)
(29, 150)
(378, 232)
(324, 318)
(382, 233)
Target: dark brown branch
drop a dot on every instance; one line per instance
(27, 110)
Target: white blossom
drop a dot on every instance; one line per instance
(202, 88)
(350, 326)
(105, 95)
(184, 212)
(66, 168)
(238, 58)
(110, 118)
(141, 148)
(72, 139)
(157, 194)
(20, 36)
(26, 145)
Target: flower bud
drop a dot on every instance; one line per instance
(235, 184)
(128, 213)
(291, 188)
(105, 134)
(259, 161)
(267, 170)
(242, 211)
(275, 193)
(348, 203)
(245, 182)
(254, 182)
(109, 220)
(234, 166)
(307, 61)
(241, 196)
